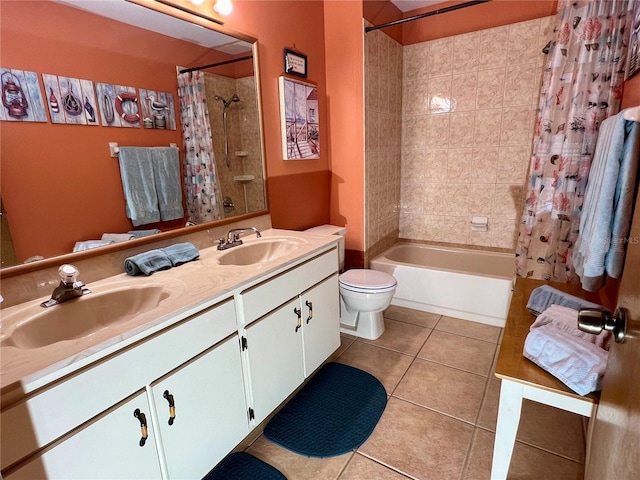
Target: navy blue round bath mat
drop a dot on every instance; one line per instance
(243, 466)
(334, 413)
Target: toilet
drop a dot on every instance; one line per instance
(364, 293)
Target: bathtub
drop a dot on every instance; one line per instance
(473, 285)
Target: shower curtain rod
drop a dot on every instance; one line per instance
(187, 70)
(426, 14)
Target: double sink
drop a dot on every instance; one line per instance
(113, 304)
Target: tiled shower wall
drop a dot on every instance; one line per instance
(383, 119)
(243, 133)
(468, 111)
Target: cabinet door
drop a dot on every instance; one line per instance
(108, 447)
(321, 323)
(209, 410)
(274, 350)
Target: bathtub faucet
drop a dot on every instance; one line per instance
(233, 237)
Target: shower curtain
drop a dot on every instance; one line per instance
(202, 190)
(582, 85)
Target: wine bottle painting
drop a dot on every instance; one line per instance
(70, 100)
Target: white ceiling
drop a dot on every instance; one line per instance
(138, 16)
(407, 5)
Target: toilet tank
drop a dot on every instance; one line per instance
(332, 230)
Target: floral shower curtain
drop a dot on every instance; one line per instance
(202, 190)
(582, 85)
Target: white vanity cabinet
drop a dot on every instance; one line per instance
(83, 426)
(287, 344)
(201, 411)
(194, 387)
(107, 447)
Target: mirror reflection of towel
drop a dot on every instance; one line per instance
(166, 170)
(138, 183)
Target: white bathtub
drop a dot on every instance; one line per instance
(469, 284)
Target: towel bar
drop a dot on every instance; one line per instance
(114, 148)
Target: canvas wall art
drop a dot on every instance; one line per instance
(299, 119)
(70, 100)
(21, 97)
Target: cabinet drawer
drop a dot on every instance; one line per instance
(49, 414)
(265, 297)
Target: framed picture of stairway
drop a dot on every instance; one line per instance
(299, 119)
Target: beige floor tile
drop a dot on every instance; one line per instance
(416, 317)
(552, 429)
(363, 468)
(401, 337)
(298, 467)
(443, 388)
(475, 356)
(546, 427)
(419, 442)
(386, 365)
(345, 342)
(489, 410)
(466, 328)
(527, 463)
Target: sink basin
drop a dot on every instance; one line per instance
(35, 326)
(259, 251)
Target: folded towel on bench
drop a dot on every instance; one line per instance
(544, 296)
(576, 362)
(566, 320)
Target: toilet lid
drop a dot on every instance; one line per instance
(367, 280)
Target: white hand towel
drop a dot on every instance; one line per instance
(566, 320)
(116, 237)
(577, 363)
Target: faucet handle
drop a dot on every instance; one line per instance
(68, 274)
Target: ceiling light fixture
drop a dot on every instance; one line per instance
(223, 7)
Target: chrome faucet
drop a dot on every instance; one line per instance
(69, 287)
(233, 237)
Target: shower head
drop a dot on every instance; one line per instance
(226, 103)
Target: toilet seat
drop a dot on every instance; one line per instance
(367, 281)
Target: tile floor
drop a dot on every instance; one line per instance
(440, 419)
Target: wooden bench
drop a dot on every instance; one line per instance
(522, 378)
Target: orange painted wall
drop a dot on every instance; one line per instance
(292, 186)
(477, 17)
(378, 12)
(343, 27)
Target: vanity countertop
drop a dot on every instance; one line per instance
(195, 285)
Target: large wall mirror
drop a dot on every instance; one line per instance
(59, 183)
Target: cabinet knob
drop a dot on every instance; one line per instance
(143, 425)
(310, 305)
(298, 312)
(172, 406)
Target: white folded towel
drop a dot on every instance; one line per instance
(566, 320)
(577, 363)
(89, 244)
(117, 237)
